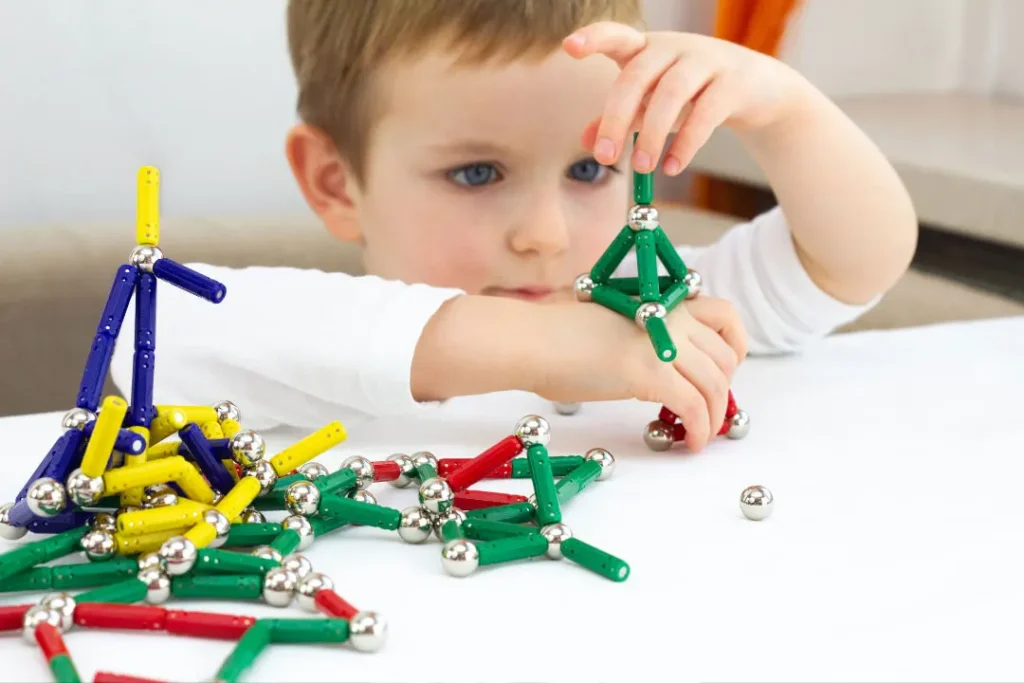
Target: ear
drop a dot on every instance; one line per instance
(324, 179)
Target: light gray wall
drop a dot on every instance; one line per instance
(90, 91)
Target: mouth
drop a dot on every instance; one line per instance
(524, 293)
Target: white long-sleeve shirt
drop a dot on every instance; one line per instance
(304, 347)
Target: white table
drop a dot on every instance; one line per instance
(894, 552)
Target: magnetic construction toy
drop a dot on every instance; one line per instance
(647, 299)
(157, 517)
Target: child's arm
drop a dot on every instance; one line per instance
(851, 219)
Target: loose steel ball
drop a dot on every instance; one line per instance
(415, 525)
(658, 435)
(221, 523)
(279, 587)
(226, 410)
(451, 515)
(251, 515)
(98, 545)
(460, 557)
(158, 585)
(555, 534)
(179, 554)
(436, 495)
(368, 631)
(363, 496)
(642, 217)
(247, 448)
(159, 496)
(362, 467)
(267, 552)
(151, 561)
(304, 528)
(63, 604)
(313, 470)
(533, 430)
(264, 473)
(408, 470)
(299, 564)
(739, 425)
(566, 408)
(46, 497)
(76, 418)
(309, 586)
(583, 287)
(606, 460)
(7, 530)
(143, 257)
(693, 284)
(104, 521)
(756, 502)
(36, 615)
(302, 498)
(84, 490)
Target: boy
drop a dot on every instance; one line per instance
(476, 151)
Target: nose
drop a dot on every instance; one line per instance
(544, 230)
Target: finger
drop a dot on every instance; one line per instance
(683, 399)
(625, 99)
(683, 81)
(612, 39)
(589, 137)
(711, 344)
(702, 372)
(709, 111)
(721, 316)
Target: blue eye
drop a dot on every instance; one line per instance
(475, 175)
(587, 171)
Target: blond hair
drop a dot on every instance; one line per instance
(336, 47)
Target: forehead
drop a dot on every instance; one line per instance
(522, 103)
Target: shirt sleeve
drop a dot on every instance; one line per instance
(288, 346)
(755, 267)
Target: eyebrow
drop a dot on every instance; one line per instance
(470, 147)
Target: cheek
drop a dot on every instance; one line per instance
(599, 220)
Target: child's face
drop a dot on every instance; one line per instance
(476, 177)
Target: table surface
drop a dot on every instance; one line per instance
(894, 551)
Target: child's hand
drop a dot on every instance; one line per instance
(681, 82)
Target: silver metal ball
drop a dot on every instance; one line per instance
(143, 257)
(408, 470)
(367, 631)
(659, 435)
(46, 497)
(756, 502)
(606, 459)
(451, 515)
(642, 217)
(304, 528)
(415, 525)
(362, 467)
(555, 534)
(247, 448)
(158, 585)
(532, 500)
(264, 473)
(648, 310)
(694, 283)
(302, 498)
(226, 410)
(267, 552)
(420, 458)
(363, 496)
(583, 287)
(567, 408)
(309, 586)
(217, 498)
(533, 430)
(251, 515)
(221, 523)
(84, 490)
(436, 495)
(98, 545)
(104, 521)
(76, 418)
(739, 425)
(179, 554)
(159, 496)
(460, 557)
(151, 561)
(36, 615)
(7, 530)
(63, 604)
(298, 564)
(279, 587)
(313, 470)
